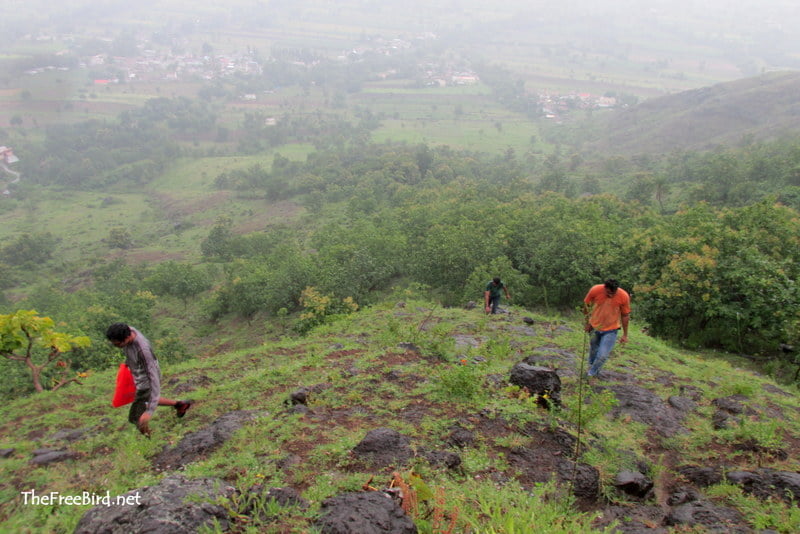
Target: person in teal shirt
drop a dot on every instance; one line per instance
(491, 296)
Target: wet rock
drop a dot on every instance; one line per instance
(711, 518)
(71, 435)
(50, 456)
(299, 397)
(633, 483)
(303, 394)
(701, 476)
(733, 404)
(522, 330)
(682, 495)
(722, 420)
(447, 459)
(369, 512)
(460, 437)
(538, 381)
(765, 483)
(646, 407)
(176, 505)
(197, 445)
(384, 447)
(585, 479)
(682, 404)
(527, 320)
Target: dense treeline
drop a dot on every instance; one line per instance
(710, 276)
(387, 215)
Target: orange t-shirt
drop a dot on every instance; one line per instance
(606, 312)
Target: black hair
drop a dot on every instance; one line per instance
(118, 332)
(611, 284)
(496, 279)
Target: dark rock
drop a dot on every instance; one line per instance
(765, 483)
(682, 404)
(69, 435)
(538, 381)
(682, 495)
(585, 479)
(711, 518)
(450, 460)
(527, 320)
(701, 476)
(733, 404)
(6, 453)
(369, 512)
(471, 305)
(460, 437)
(646, 407)
(176, 505)
(722, 420)
(384, 447)
(776, 390)
(633, 483)
(522, 330)
(49, 456)
(299, 397)
(196, 445)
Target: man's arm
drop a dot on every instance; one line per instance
(486, 297)
(625, 320)
(508, 295)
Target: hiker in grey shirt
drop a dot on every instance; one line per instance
(146, 373)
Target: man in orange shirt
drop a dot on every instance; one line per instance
(610, 309)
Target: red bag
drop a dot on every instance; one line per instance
(126, 389)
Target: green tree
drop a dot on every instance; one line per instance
(218, 243)
(179, 280)
(30, 249)
(32, 340)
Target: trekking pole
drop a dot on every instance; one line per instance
(580, 410)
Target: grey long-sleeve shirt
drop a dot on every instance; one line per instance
(144, 367)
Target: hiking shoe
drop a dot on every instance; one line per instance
(181, 407)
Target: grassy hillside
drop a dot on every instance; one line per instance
(422, 370)
(762, 107)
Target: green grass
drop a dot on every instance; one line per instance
(262, 375)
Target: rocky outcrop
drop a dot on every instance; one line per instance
(197, 445)
(368, 512)
(177, 505)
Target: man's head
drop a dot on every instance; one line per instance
(496, 280)
(118, 334)
(611, 286)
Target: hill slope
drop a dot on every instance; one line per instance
(762, 107)
(410, 388)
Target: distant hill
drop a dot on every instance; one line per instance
(762, 107)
